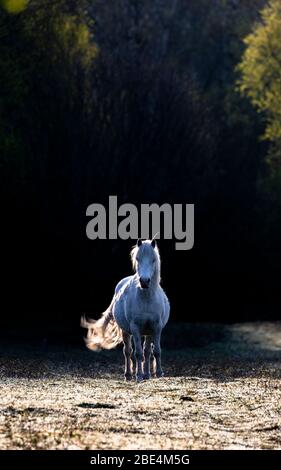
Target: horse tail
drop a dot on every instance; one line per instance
(103, 333)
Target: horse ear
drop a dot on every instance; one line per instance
(139, 242)
(153, 243)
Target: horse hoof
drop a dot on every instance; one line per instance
(139, 378)
(128, 377)
(159, 374)
(146, 376)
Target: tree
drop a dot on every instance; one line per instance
(260, 80)
(46, 52)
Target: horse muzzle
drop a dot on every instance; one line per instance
(144, 283)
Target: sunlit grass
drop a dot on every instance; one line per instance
(230, 399)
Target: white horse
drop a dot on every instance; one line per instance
(139, 308)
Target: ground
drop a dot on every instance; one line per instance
(221, 391)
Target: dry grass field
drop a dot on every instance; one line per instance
(222, 390)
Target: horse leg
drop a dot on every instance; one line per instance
(157, 352)
(127, 351)
(147, 352)
(138, 352)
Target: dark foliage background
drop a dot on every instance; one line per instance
(139, 100)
